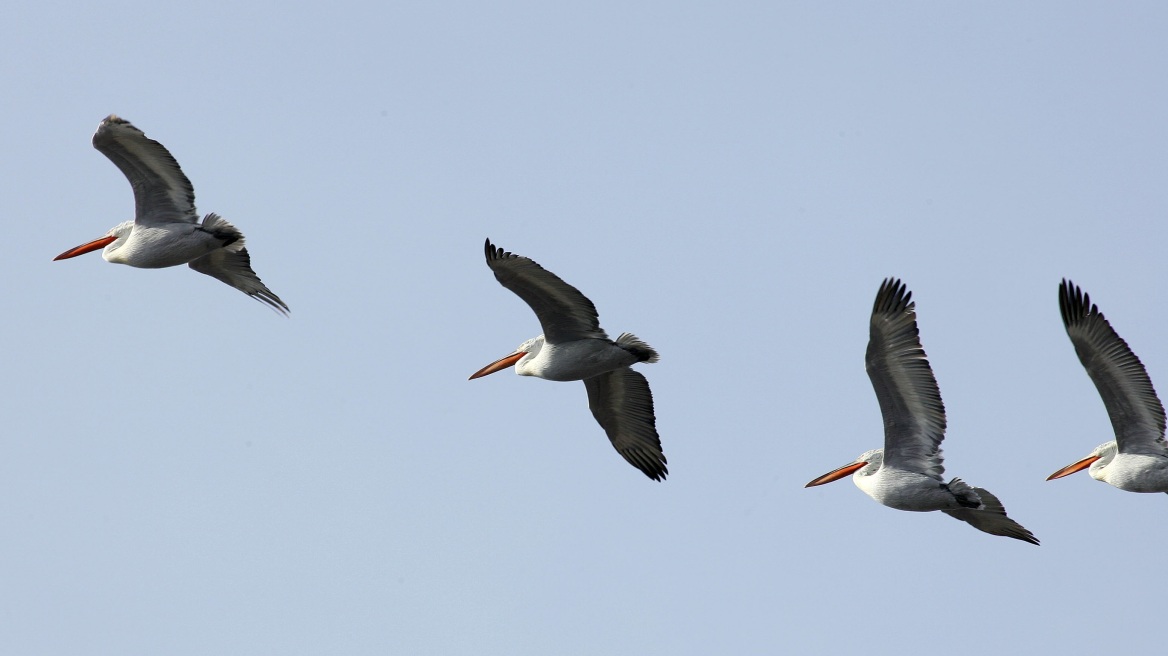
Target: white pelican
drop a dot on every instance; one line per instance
(573, 346)
(906, 473)
(166, 231)
(1137, 459)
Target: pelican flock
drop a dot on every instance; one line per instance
(166, 230)
(1137, 459)
(573, 346)
(906, 473)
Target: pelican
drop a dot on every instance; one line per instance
(906, 473)
(573, 346)
(1137, 459)
(166, 230)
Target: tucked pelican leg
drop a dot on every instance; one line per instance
(991, 518)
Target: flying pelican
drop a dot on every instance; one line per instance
(906, 473)
(1137, 459)
(573, 346)
(166, 231)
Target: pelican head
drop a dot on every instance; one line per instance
(520, 357)
(1097, 461)
(110, 242)
(866, 465)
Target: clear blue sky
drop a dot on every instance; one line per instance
(182, 471)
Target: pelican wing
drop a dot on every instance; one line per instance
(232, 265)
(162, 193)
(564, 312)
(1136, 413)
(623, 405)
(991, 518)
(914, 417)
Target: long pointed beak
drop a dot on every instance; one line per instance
(85, 248)
(1072, 468)
(498, 365)
(836, 474)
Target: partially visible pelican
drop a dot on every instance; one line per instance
(1137, 459)
(574, 347)
(906, 473)
(166, 230)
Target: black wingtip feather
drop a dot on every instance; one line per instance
(1075, 305)
(893, 298)
(495, 253)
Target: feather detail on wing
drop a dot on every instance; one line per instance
(564, 313)
(623, 405)
(232, 263)
(991, 518)
(162, 193)
(910, 402)
(1137, 416)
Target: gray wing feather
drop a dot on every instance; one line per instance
(991, 518)
(910, 402)
(1136, 412)
(564, 313)
(233, 266)
(162, 193)
(623, 405)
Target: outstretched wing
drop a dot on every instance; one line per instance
(623, 405)
(914, 416)
(162, 193)
(234, 268)
(1136, 412)
(991, 518)
(565, 314)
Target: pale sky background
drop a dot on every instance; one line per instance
(183, 471)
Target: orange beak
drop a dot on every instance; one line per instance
(497, 365)
(85, 248)
(1072, 468)
(836, 474)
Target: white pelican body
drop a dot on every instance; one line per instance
(156, 247)
(574, 347)
(166, 230)
(1137, 460)
(575, 360)
(903, 489)
(907, 473)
